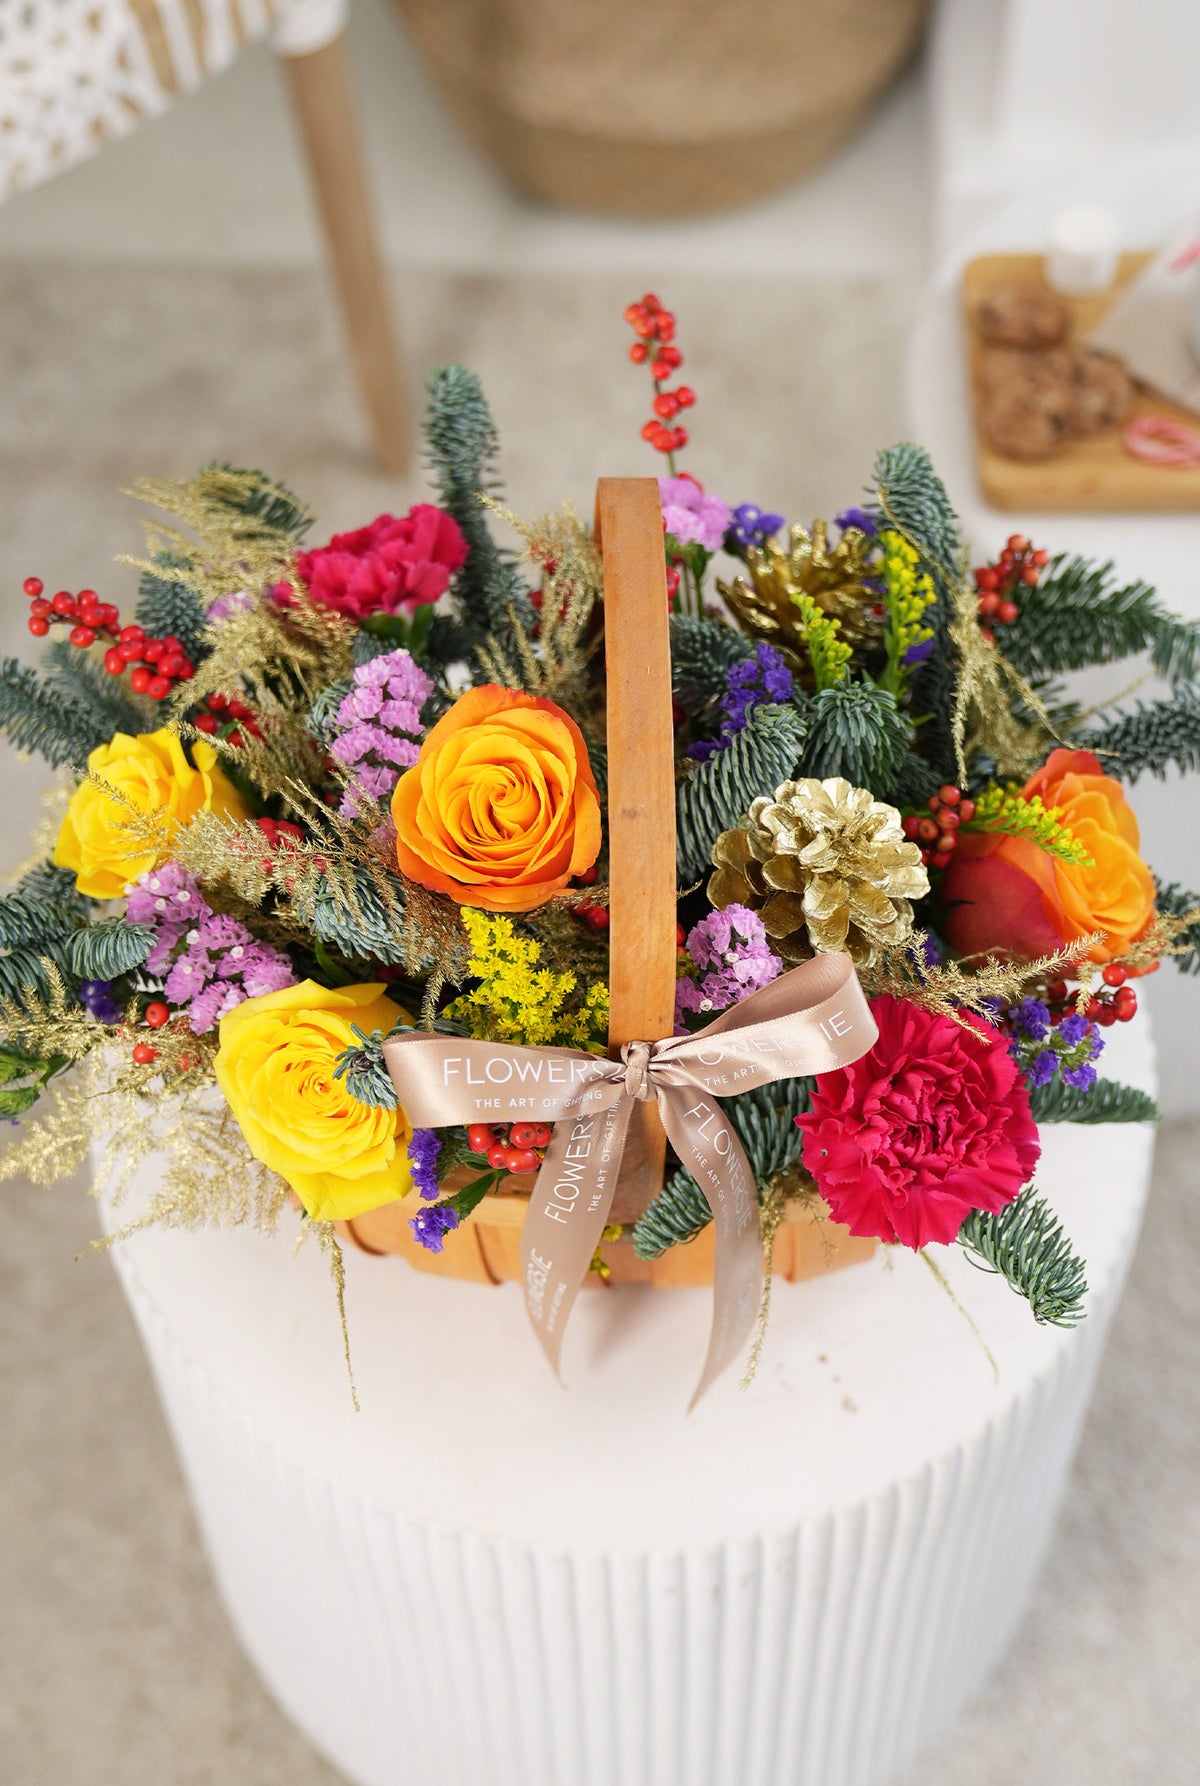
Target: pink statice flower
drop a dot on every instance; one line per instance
(209, 961)
(693, 517)
(732, 949)
(378, 725)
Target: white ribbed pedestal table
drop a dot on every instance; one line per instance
(485, 1580)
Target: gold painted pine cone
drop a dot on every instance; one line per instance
(826, 866)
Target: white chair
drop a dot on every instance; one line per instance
(75, 74)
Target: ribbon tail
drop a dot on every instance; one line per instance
(706, 1142)
(568, 1209)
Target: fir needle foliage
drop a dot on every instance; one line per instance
(168, 604)
(1103, 1101)
(702, 654)
(37, 716)
(1173, 901)
(462, 447)
(1078, 615)
(856, 730)
(1151, 739)
(1026, 1245)
(717, 794)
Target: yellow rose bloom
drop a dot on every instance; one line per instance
(275, 1066)
(152, 775)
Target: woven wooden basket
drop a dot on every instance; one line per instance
(642, 892)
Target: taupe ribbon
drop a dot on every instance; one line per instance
(812, 1019)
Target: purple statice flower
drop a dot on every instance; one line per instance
(1031, 1018)
(1075, 1027)
(170, 902)
(377, 727)
(732, 949)
(1043, 1067)
(863, 519)
(225, 605)
(423, 1151)
(1081, 1077)
(210, 962)
(750, 526)
(99, 1001)
(431, 1225)
(763, 677)
(693, 518)
(919, 652)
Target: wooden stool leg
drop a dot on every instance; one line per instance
(323, 99)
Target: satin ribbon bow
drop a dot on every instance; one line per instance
(812, 1019)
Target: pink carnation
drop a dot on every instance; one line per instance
(394, 562)
(932, 1123)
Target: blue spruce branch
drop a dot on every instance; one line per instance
(1026, 1245)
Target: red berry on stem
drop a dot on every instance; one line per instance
(966, 811)
(542, 1132)
(1041, 558)
(114, 663)
(33, 586)
(680, 936)
(639, 352)
(40, 608)
(480, 1136)
(64, 603)
(139, 682)
(679, 438)
(949, 795)
(143, 1054)
(989, 602)
(157, 1014)
(522, 1134)
(131, 652)
(941, 860)
(934, 802)
(1029, 576)
(665, 405)
(1007, 612)
(523, 1159)
(985, 577)
(927, 830)
(152, 650)
(497, 1157)
(83, 636)
(587, 877)
(685, 396)
(1093, 1008)
(1017, 542)
(1125, 1004)
(38, 625)
(1106, 1016)
(664, 326)
(1056, 991)
(650, 302)
(650, 431)
(633, 313)
(949, 821)
(218, 702)
(911, 825)
(132, 635)
(1114, 974)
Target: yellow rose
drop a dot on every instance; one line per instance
(275, 1066)
(152, 775)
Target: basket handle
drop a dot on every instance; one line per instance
(641, 803)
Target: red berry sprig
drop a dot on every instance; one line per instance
(520, 1147)
(229, 717)
(155, 665)
(1120, 1005)
(1018, 568)
(86, 615)
(936, 831)
(655, 346)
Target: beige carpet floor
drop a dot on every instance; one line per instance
(117, 1667)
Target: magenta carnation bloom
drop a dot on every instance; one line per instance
(394, 562)
(693, 517)
(932, 1123)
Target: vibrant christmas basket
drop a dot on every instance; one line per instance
(799, 902)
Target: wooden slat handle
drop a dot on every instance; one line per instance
(641, 802)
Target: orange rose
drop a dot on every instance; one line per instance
(1007, 896)
(500, 809)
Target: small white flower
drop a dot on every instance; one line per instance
(160, 905)
(237, 951)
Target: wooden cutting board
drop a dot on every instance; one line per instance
(1095, 474)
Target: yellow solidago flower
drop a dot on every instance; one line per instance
(907, 596)
(517, 1000)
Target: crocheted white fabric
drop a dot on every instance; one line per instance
(75, 73)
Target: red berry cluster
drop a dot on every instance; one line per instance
(155, 1015)
(281, 834)
(155, 663)
(223, 711)
(519, 1148)
(1018, 567)
(655, 331)
(937, 830)
(593, 915)
(1121, 1002)
(85, 613)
